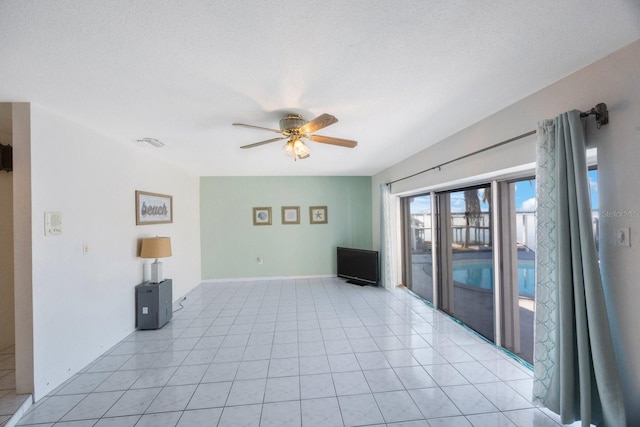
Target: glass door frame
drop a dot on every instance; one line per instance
(445, 260)
(406, 256)
(510, 316)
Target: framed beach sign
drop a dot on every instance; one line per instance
(153, 208)
(262, 216)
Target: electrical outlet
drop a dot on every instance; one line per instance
(85, 248)
(260, 260)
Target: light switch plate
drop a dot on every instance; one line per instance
(52, 223)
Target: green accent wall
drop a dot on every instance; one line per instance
(231, 244)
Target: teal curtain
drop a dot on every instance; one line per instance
(575, 373)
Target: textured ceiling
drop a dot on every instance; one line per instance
(399, 75)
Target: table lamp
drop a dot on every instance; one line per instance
(156, 247)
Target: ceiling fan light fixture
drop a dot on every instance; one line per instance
(301, 149)
(287, 148)
(297, 149)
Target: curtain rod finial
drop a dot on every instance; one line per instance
(601, 113)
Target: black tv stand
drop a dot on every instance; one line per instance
(356, 282)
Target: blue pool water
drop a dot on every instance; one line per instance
(480, 275)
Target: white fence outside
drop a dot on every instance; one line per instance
(480, 231)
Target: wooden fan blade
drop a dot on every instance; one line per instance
(322, 121)
(257, 144)
(256, 127)
(333, 141)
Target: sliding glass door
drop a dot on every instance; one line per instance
(484, 276)
(519, 231)
(466, 279)
(472, 253)
(418, 245)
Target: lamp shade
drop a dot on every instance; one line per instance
(155, 247)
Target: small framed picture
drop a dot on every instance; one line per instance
(153, 208)
(262, 216)
(291, 214)
(318, 214)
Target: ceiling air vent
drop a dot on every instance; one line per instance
(152, 142)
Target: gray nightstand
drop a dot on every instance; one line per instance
(154, 304)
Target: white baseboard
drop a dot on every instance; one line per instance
(268, 278)
(19, 413)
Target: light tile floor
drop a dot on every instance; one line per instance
(315, 352)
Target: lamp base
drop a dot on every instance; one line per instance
(146, 271)
(156, 272)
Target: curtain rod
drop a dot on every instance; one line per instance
(602, 118)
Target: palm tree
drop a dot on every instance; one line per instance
(471, 214)
(473, 210)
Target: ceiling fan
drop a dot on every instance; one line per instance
(294, 127)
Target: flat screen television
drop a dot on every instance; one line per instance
(359, 266)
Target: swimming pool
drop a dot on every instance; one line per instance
(479, 274)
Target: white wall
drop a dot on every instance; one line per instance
(615, 81)
(84, 303)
